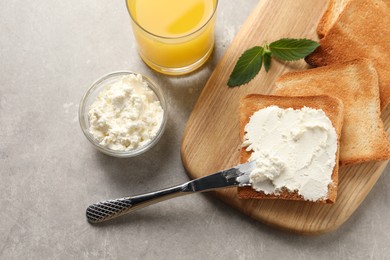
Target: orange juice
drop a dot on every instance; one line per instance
(173, 36)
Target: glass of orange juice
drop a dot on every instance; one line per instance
(173, 37)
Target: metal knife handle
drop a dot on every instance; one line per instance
(110, 209)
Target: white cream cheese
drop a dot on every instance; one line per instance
(293, 150)
(126, 114)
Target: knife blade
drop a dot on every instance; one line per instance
(238, 175)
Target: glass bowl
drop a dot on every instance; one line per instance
(91, 95)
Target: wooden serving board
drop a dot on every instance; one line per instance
(211, 139)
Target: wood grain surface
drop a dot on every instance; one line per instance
(211, 139)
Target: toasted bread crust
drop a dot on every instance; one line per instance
(361, 31)
(332, 107)
(332, 12)
(356, 84)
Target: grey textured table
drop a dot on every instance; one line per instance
(50, 52)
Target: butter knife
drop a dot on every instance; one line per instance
(106, 210)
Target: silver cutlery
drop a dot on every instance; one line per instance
(106, 210)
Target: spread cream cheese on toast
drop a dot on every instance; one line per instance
(293, 150)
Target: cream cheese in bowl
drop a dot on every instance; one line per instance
(123, 114)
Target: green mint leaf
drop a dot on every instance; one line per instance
(292, 49)
(267, 61)
(247, 67)
(250, 62)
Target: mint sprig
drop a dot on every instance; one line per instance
(250, 62)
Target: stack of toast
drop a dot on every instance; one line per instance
(362, 30)
(353, 63)
(356, 84)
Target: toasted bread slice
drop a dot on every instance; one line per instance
(355, 82)
(332, 107)
(361, 31)
(332, 12)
